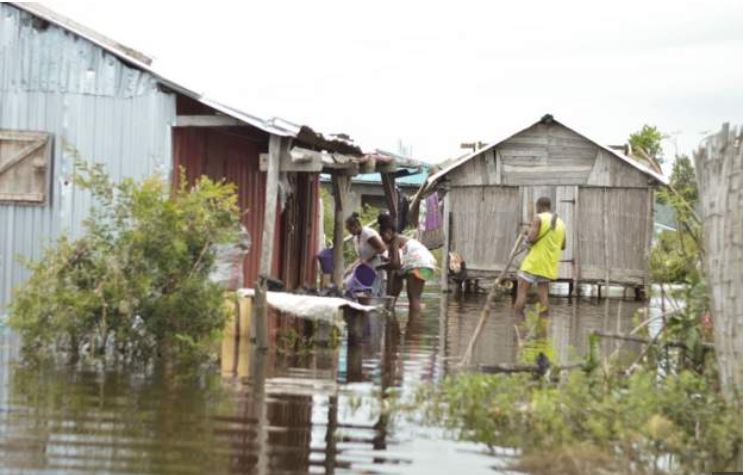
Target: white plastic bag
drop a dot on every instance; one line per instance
(229, 261)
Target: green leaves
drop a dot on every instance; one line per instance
(145, 256)
(631, 420)
(648, 139)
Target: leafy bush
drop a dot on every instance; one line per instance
(674, 258)
(633, 422)
(137, 280)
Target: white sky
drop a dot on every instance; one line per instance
(437, 74)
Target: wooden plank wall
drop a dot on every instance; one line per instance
(553, 161)
(616, 250)
(486, 221)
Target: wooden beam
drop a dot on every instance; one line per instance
(286, 164)
(576, 262)
(648, 230)
(606, 259)
(267, 243)
(206, 121)
(639, 339)
(25, 152)
(389, 188)
(340, 185)
(386, 167)
(338, 169)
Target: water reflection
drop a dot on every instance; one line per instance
(320, 410)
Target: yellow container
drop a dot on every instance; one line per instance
(235, 344)
(239, 319)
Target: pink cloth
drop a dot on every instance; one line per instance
(433, 218)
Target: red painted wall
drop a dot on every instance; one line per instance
(232, 153)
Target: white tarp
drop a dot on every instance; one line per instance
(311, 307)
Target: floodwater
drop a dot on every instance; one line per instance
(313, 410)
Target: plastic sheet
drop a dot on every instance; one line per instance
(310, 307)
(229, 261)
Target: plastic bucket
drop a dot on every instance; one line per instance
(362, 279)
(326, 259)
(365, 275)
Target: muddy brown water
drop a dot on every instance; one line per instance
(309, 411)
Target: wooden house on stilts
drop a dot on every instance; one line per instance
(605, 198)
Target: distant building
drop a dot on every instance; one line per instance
(605, 198)
(367, 188)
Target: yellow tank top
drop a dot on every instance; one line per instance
(543, 257)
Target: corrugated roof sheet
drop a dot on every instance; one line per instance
(274, 126)
(413, 180)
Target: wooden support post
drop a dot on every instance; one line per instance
(576, 243)
(649, 231)
(389, 189)
(445, 270)
(340, 187)
(606, 251)
(267, 243)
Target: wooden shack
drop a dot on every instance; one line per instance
(604, 197)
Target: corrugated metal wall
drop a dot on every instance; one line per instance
(233, 153)
(228, 153)
(96, 108)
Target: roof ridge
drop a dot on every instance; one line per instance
(548, 118)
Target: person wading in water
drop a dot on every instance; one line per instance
(546, 238)
(410, 261)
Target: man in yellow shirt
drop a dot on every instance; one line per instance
(547, 238)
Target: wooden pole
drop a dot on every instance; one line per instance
(577, 264)
(646, 341)
(389, 189)
(489, 304)
(445, 270)
(605, 240)
(340, 187)
(267, 243)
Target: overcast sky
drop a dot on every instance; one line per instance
(434, 75)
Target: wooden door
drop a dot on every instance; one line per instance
(613, 228)
(485, 223)
(562, 203)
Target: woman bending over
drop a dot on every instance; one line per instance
(410, 260)
(369, 247)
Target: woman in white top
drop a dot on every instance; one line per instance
(369, 247)
(410, 260)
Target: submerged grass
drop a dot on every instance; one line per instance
(593, 420)
(634, 423)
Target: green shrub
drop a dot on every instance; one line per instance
(633, 421)
(136, 283)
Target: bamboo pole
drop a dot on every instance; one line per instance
(489, 304)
